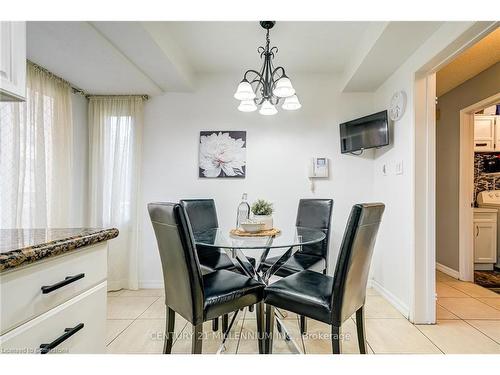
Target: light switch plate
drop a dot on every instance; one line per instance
(399, 167)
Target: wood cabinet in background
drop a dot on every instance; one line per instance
(12, 61)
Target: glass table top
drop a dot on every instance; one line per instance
(288, 237)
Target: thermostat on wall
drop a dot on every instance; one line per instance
(319, 168)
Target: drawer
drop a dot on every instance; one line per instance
(88, 311)
(485, 216)
(20, 289)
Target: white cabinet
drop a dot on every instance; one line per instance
(485, 236)
(59, 301)
(12, 61)
(485, 134)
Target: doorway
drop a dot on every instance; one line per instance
(423, 298)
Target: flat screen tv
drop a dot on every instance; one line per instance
(365, 132)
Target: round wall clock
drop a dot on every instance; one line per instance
(397, 106)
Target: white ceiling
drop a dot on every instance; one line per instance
(155, 57)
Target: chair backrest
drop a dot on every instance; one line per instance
(181, 268)
(353, 264)
(317, 214)
(201, 213)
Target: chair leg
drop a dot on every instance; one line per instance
(197, 339)
(360, 324)
(336, 343)
(260, 327)
(303, 325)
(169, 331)
(215, 324)
(225, 322)
(269, 329)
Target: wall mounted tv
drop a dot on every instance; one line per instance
(365, 132)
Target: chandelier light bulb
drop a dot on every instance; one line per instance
(267, 109)
(247, 106)
(283, 88)
(291, 103)
(244, 91)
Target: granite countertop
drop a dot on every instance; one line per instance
(19, 247)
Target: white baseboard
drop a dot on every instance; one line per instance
(448, 271)
(151, 284)
(393, 300)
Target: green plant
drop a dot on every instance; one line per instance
(262, 207)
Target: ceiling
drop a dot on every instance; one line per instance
(155, 57)
(470, 63)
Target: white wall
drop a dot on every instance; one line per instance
(79, 201)
(279, 149)
(398, 245)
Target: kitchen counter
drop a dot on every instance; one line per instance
(19, 247)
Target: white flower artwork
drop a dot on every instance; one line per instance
(222, 154)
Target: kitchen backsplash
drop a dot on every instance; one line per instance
(483, 181)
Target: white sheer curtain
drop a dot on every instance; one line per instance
(35, 154)
(115, 126)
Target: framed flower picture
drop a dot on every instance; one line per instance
(222, 154)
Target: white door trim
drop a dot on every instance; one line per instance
(422, 267)
(466, 189)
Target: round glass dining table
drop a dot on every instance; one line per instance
(290, 239)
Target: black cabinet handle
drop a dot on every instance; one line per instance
(68, 332)
(68, 280)
(481, 144)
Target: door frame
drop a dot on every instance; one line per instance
(423, 264)
(466, 187)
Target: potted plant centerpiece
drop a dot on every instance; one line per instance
(263, 212)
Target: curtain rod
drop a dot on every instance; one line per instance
(77, 90)
(143, 97)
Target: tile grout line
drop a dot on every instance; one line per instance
(242, 325)
(428, 338)
(133, 320)
(481, 332)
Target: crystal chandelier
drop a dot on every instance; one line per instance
(268, 87)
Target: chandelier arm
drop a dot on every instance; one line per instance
(277, 70)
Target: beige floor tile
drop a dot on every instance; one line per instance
(128, 307)
(443, 314)
(143, 293)
(440, 276)
(211, 340)
(490, 328)
(317, 340)
(493, 302)
(248, 338)
(280, 345)
(472, 290)
(469, 308)
(142, 336)
(156, 311)
(397, 336)
(115, 327)
(444, 290)
(458, 337)
(378, 307)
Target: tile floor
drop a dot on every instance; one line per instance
(468, 321)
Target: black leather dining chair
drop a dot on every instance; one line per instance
(332, 300)
(202, 216)
(311, 213)
(189, 293)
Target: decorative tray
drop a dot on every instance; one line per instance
(262, 233)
